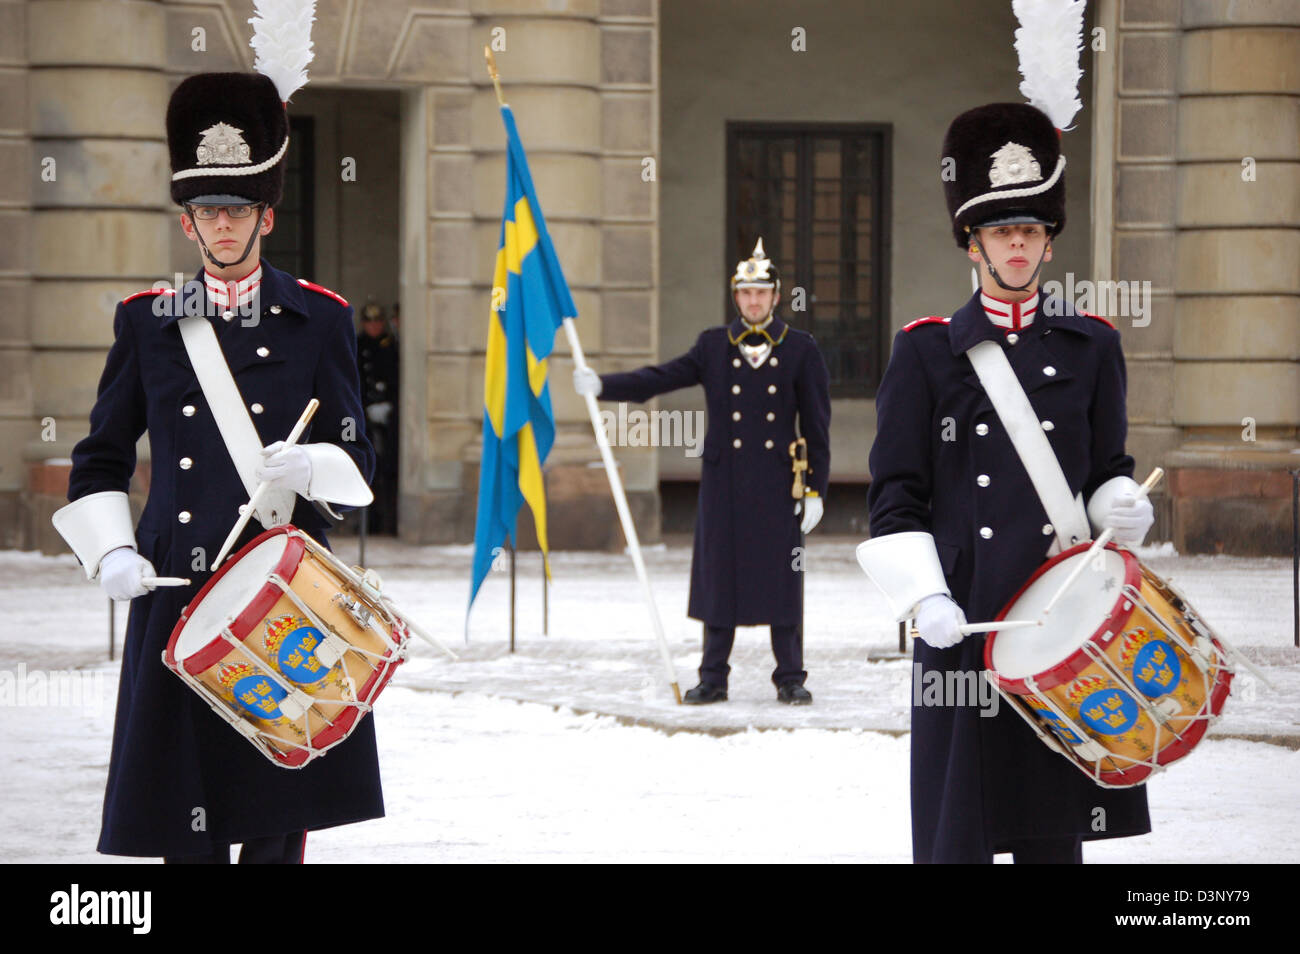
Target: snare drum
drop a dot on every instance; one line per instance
(289, 645)
(1122, 679)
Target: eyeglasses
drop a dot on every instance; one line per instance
(209, 213)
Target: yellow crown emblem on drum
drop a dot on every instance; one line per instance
(1084, 688)
(232, 673)
(279, 628)
(1134, 640)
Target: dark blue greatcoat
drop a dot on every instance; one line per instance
(978, 783)
(743, 567)
(172, 755)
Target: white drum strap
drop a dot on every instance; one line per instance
(231, 414)
(1068, 517)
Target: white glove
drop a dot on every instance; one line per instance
(1130, 516)
(812, 513)
(937, 619)
(379, 413)
(285, 466)
(121, 573)
(586, 381)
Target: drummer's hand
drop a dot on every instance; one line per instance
(1130, 517)
(285, 466)
(937, 621)
(121, 574)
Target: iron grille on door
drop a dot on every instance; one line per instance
(819, 196)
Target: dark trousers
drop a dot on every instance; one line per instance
(1048, 851)
(272, 850)
(787, 647)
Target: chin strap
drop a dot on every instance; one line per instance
(208, 252)
(994, 272)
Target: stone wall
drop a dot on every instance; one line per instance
(1204, 143)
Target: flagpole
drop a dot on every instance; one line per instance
(624, 515)
(611, 468)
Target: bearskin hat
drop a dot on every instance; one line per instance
(1006, 167)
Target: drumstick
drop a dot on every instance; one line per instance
(256, 499)
(155, 581)
(1102, 539)
(968, 628)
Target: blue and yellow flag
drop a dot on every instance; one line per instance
(530, 300)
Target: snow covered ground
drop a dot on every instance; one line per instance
(571, 748)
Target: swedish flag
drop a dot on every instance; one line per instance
(530, 300)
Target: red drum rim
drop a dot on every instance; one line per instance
(252, 615)
(1066, 670)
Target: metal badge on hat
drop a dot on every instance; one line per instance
(222, 144)
(755, 271)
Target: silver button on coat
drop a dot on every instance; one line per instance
(986, 533)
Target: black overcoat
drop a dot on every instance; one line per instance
(980, 783)
(745, 564)
(181, 780)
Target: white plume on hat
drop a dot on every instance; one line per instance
(1048, 44)
(282, 42)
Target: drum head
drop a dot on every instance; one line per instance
(1091, 607)
(238, 586)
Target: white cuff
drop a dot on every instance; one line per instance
(335, 478)
(95, 524)
(906, 568)
(1103, 498)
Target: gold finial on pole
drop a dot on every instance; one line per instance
(492, 71)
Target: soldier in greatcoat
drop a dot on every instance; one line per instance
(958, 524)
(182, 784)
(765, 384)
(377, 359)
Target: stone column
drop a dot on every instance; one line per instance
(1237, 339)
(16, 425)
(1134, 212)
(566, 72)
(98, 188)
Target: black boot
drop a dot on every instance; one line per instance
(793, 694)
(703, 694)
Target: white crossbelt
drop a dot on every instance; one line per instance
(233, 421)
(1065, 510)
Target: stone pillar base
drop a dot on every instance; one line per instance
(1244, 512)
(47, 491)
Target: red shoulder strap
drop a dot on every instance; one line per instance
(322, 290)
(149, 291)
(932, 319)
(1099, 318)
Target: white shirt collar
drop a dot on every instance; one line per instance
(1010, 315)
(245, 289)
